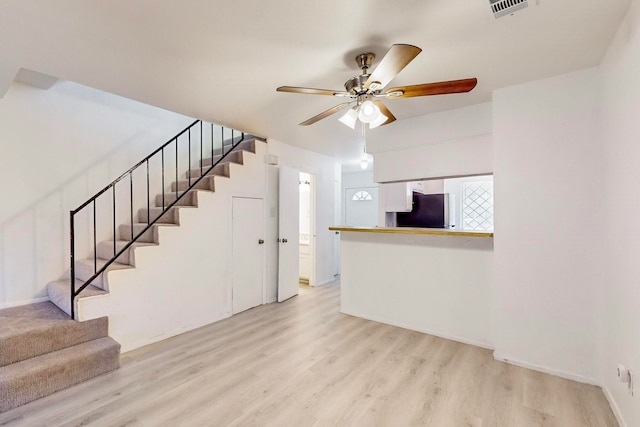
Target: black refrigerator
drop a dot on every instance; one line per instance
(429, 211)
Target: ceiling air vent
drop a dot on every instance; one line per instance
(502, 8)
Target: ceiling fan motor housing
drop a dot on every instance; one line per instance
(355, 85)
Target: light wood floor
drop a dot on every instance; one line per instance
(301, 363)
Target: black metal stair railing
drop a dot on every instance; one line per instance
(229, 141)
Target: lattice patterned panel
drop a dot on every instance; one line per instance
(477, 206)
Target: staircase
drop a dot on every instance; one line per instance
(180, 195)
(42, 350)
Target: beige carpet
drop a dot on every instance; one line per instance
(42, 351)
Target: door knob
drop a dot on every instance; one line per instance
(260, 242)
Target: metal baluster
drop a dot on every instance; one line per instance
(114, 219)
(200, 147)
(162, 153)
(222, 140)
(72, 260)
(131, 201)
(176, 168)
(148, 196)
(95, 247)
(189, 164)
(212, 144)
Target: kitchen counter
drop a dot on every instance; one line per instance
(409, 230)
(430, 280)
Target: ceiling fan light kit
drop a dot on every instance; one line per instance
(366, 87)
(349, 118)
(368, 112)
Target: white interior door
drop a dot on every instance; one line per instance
(289, 229)
(248, 253)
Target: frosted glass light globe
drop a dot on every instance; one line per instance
(368, 112)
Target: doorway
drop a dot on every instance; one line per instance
(296, 230)
(306, 210)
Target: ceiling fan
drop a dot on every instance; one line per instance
(365, 90)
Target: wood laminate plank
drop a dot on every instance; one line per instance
(302, 363)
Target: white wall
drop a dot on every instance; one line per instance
(451, 143)
(620, 293)
(460, 123)
(548, 223)
(325, 170)
(57, 148)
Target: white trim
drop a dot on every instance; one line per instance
(326, 282)
(173, 333)
(424, 331)
(546, 370)
(23, 302)
(614, 406)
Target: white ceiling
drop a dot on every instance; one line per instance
(222, 60)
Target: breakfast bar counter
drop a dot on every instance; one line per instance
(431, 280)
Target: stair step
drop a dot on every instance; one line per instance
(40, 376)
(59, 293)
(189, 199)
(211, 160)
(105, 250)
(222, 169)
(85, 268)
(207, 184)
(248, 145)
(36, 329)
(149, 236)
(169, 217)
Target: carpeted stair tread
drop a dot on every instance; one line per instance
(149, 236)
(232, 157)
(170, 216)
(247, 145)
(221, 169)
(186, 200)
(85, 269)
(60, 293)
(205, 184)
(105, 250)
(38, 310)
(40, 376)
(22, 338)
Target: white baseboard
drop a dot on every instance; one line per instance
(424, 331)
(325, 282)
(172, 333)
(614, 406)
(546, 370)
(23, 302)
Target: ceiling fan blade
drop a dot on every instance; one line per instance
(312, 91)
(324, 114)
(398, 57)
(440, 88)
(384, 110)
